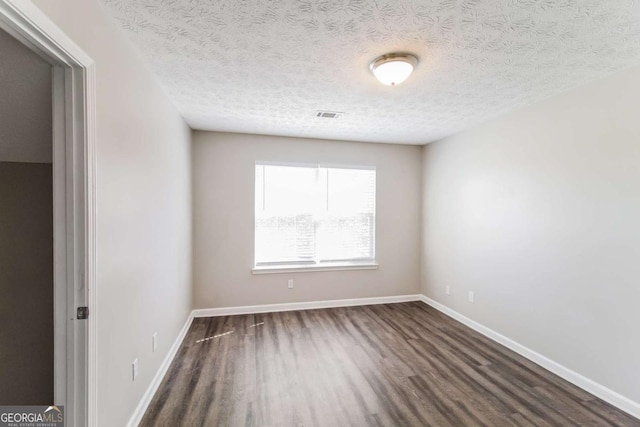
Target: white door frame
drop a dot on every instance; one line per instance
(74, 207)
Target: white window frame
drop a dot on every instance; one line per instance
(326, 265)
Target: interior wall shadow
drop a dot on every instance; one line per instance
(26, 278)
(26, 227)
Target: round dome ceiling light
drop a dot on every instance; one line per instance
(393, 68)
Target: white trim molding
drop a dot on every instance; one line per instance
(616, 399)
(333, 266)
(310, 305)
(23, 20)
(137, 415)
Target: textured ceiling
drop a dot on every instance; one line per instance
(267, 66)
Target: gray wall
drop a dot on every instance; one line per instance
(26, 227)
(25, 104)
(538, 213)
(26, 284)
(223, 209)
(143, 210)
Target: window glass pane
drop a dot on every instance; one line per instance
(289, 190)
(284, 228)
(309, 214)
(285, 238)
(346, 231)
(351, 191)
(343, 238)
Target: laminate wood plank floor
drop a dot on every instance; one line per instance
(383, 365)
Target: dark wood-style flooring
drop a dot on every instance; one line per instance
(384, 365)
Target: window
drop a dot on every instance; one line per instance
(314, 216)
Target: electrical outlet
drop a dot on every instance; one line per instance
(290, 284)
(134, 372)
(472, 297)
(447, 290)
(154, 342)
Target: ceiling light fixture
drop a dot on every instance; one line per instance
(393, 68)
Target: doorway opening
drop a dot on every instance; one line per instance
(26, 226)
(52, 205)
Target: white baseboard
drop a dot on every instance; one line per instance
(271, 308)
(137, 415)
(627, 405)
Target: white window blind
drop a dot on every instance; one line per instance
(309, 215)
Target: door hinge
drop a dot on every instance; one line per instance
(83, 313)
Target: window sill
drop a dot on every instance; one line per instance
(338, 266)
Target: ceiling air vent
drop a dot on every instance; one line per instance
(329, 114)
